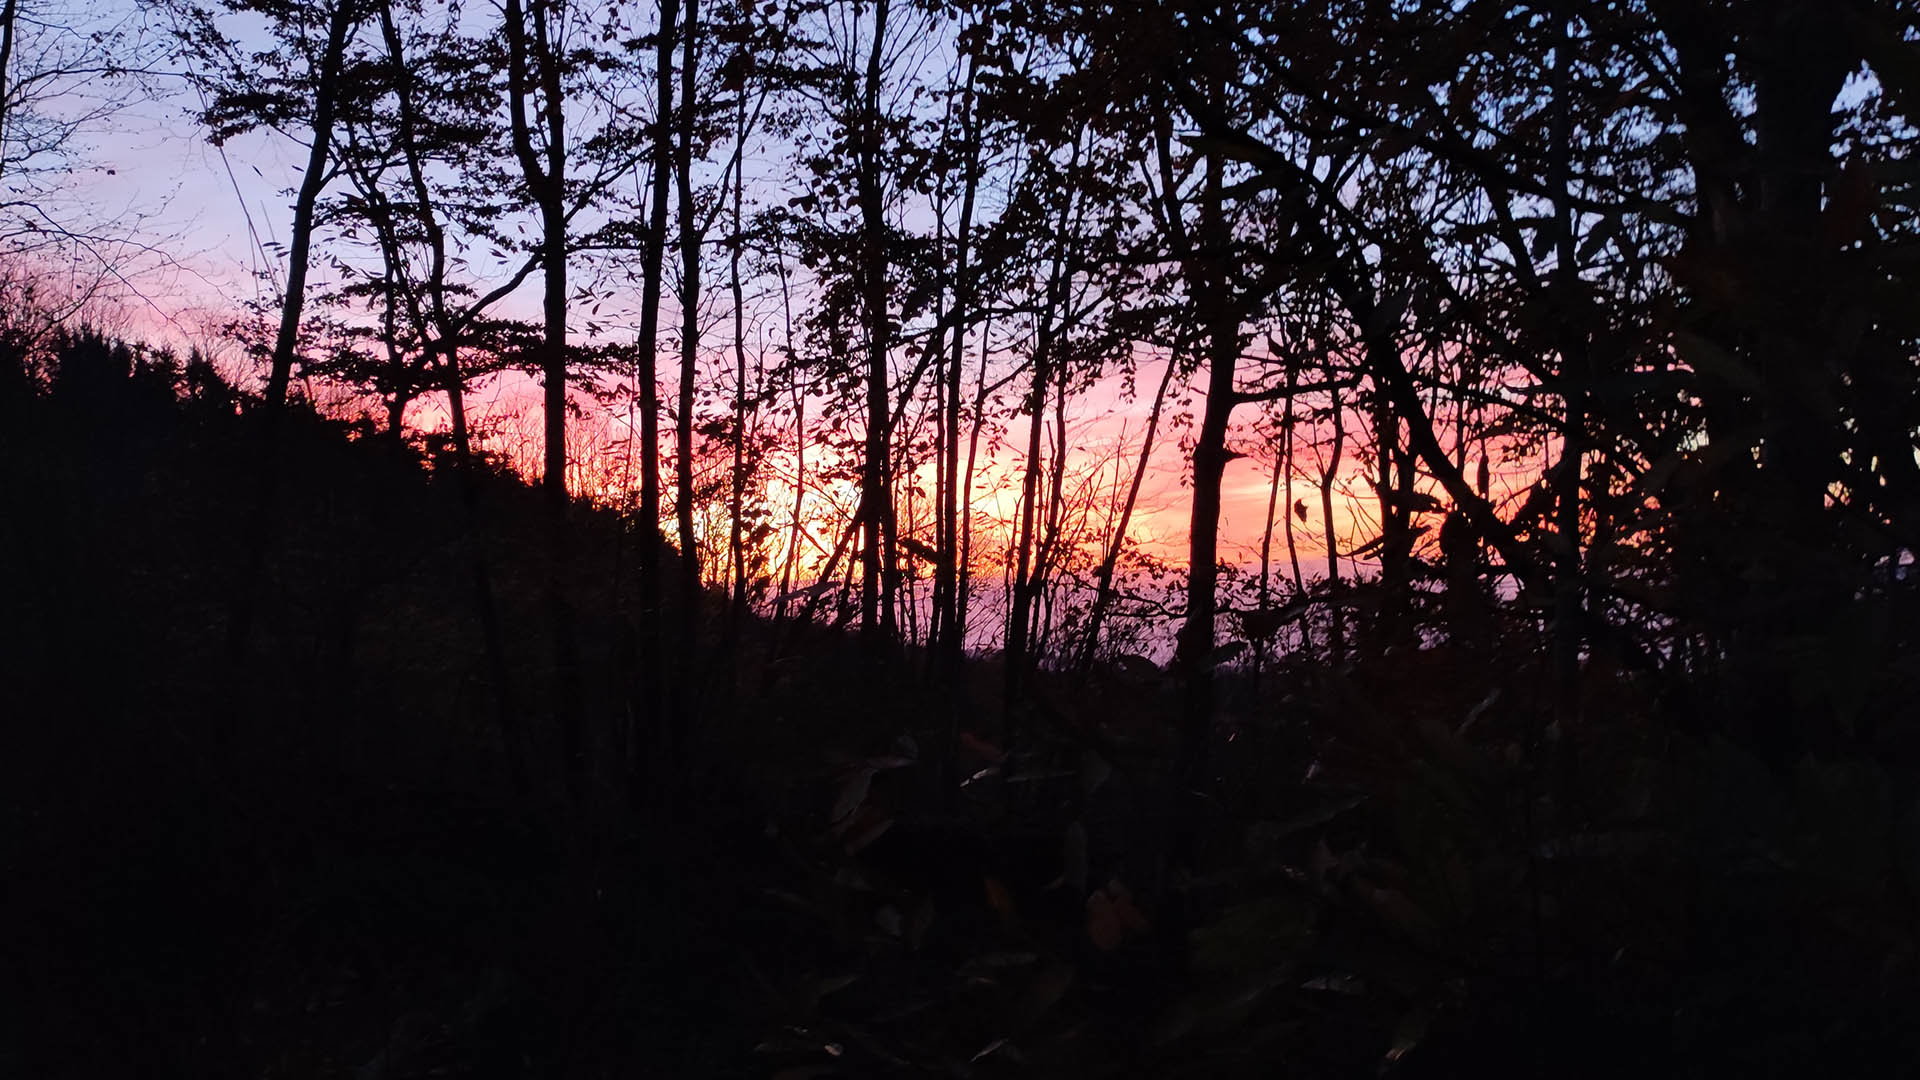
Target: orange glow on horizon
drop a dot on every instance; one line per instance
(1105, 431)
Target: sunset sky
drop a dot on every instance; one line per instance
(216, 218)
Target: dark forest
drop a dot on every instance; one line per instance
(853, 658)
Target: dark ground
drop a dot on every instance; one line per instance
(313, 862)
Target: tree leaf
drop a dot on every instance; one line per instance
(853, 792)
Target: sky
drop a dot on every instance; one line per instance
(213, 219)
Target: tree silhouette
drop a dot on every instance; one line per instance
(997, 717)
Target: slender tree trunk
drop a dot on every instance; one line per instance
(690, 240)
(340, 26)
(797, 529)
(953, 504)
(553, 214)
(738, 494)
(1109, 563)
(9, 20)
(513, 736)
(1329, 473)
(908, 613)
(1569, 604)
(1051, 538)
(546, 179)
(1393, 487)
(963, 578)
(1021, 606)
(939, 608)
(397, 416)
(438, 329)
(1293, 509)
(1028, 574)
(645, 695)
(1264, 642)
(553, 222)
(1287, 421)
(399, 369)
(943, 481)
(1210, 280)
(878, 568)
(300, 242)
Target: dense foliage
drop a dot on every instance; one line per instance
(852, 725)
